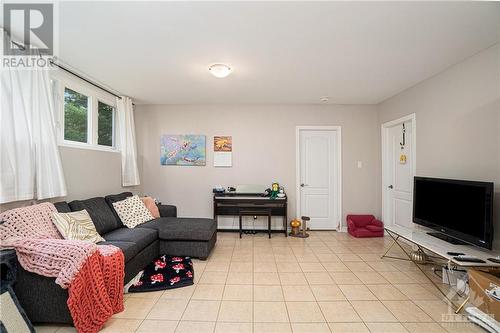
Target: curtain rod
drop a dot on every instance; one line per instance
(66, 69)
(85, 79)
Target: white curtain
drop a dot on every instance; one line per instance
(30, 165)
(126, 139)
(17, 165)
(50, 182)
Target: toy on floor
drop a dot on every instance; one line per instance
(302, 233)
(295, 224)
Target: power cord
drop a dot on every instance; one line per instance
(439, 273)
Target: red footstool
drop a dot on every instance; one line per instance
(364, 226)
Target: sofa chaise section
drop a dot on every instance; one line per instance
(191, 237)
(46, 302)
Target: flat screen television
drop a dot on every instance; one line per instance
(460, 210)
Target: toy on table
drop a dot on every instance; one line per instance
(281, 192)
(275, 190)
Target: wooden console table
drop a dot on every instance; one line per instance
(244, 204)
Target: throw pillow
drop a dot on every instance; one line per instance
(76, 226)
(132, 211)
(151, 206)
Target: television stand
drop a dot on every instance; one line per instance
(426, 241)
(447, 238)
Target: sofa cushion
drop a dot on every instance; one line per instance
(112, 198)
(175, 228)
(363, 232)
(99, 211)
(167, 210)
(374, 228)
(360, 220)
(129, 249)
(142, 237)
(155, 224)
(62, 207)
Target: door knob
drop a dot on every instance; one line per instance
(302, 185)
(390, 186)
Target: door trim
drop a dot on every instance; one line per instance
(337, 175)
(384, 132)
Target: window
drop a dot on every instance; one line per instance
(86, 116)
(76, 107)
(105, 124)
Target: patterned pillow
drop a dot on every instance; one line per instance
(132, 211)
(151, 206)
(76, 226)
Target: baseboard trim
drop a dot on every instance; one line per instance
(244, 230)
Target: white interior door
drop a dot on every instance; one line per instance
(318, 184)
(399, 173)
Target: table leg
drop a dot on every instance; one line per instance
(390, 247)
(420, 269)
(462, 305)
(285, 223)
(241, 225)
(215, 216)
(269, 224)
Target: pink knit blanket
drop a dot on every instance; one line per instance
(39, 246)
(42, 250)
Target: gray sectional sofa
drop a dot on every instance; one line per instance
(45, 302)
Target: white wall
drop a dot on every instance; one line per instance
(92, 173)
(88, 173)
(263, 151)
(458, 121)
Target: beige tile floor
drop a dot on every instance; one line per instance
(329, 282)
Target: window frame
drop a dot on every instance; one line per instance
(89, 115)
(94, 96)
(113, 121)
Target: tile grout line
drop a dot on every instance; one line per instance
(309, 285)
(189, 300)
(350, 303)
(223, 290)
(142, 320)
(292, 247)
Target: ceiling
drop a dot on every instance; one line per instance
(281, 52)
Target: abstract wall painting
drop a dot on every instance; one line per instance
(223, 143)
(183, 150)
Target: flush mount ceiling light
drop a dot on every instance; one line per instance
(220, 70)
(324, 99)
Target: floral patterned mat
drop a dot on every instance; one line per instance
(166, 272)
